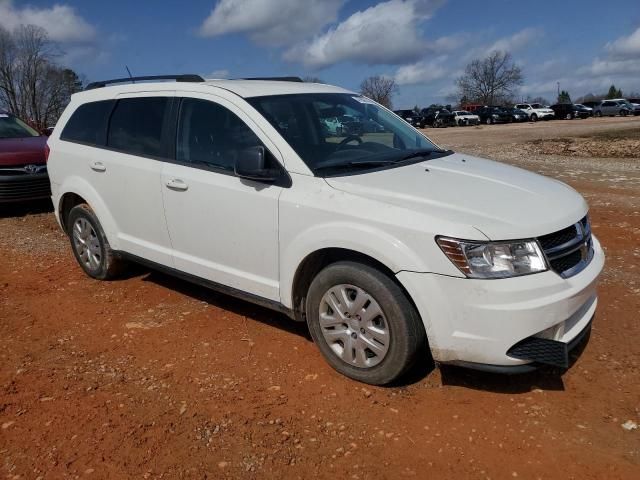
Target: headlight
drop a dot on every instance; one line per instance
(494, 259)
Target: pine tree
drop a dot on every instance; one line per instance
(564, 97)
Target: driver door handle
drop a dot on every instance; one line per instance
(177, 184)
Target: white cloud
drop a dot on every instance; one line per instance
(626, 47)
(273, 22)
(386, 33)
(61, 22)
(610, 66)
(421, 72)
(515, 42)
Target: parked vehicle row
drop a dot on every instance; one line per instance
(438, 116)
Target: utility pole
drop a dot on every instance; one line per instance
(558, 89)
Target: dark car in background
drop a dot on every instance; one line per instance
(568, 111)
(491, 115)
(411, 116)
(438, 116)
(517, 115)
(23, 156)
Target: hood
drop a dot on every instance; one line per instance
(22, 151)
(501, 201)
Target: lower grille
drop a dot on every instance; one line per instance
(569, 250)
(541, 350)
(550, 352)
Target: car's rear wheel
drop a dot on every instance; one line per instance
(363, 323)
(569, 116)
(90, 245)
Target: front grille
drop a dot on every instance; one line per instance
(569, 250)
(24, 187)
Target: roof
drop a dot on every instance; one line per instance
(260, 88)
(242, 88)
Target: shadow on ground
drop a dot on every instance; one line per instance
(23, 209)
(225, 302)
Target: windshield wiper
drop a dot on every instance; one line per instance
(421, 153)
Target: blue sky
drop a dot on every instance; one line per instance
(424, 44)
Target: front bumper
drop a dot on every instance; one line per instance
(480, 321)
(24, 186)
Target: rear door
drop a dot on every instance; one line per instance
(127, 173)
(223, 228)
(608, 108)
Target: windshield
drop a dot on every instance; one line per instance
(12, 127)
(334, 132)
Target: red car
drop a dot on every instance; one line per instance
(23, 157)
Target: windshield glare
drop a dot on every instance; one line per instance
(338, 131)
(12, 127)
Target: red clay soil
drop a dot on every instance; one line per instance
(151, 377)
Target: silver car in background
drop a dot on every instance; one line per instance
(616, 106)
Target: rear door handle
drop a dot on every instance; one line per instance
(98, 167)
(177, 184)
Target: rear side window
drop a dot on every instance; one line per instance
(88, 124)
(136, 126)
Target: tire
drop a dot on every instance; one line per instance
(397, 328)
(623, 113)
(598, 114)
(489, 121)
(534, 117)
(569, 116)
(90, 246)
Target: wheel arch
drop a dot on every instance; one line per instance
(76, 191)
(319, 259)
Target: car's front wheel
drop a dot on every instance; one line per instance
(534, 118)
(90, 245)
(363, 323)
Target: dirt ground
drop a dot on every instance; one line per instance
(151, 377)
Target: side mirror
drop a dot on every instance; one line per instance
(250, 164)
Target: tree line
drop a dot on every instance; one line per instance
(33, 86)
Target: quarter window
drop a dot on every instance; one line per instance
(88, 124)
(136, 126)
(211, 135)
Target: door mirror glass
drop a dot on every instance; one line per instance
(251, 164)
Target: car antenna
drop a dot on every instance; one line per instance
(129, 72)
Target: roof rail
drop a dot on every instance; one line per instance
(177, 78)
(277, 79)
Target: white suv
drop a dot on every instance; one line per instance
(536, 111)
(388, 246)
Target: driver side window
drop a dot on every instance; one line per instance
(211, 135)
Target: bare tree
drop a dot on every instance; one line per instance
(380, 89)
(491, 80)
(32, 85)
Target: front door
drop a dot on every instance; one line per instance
(222, 228)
